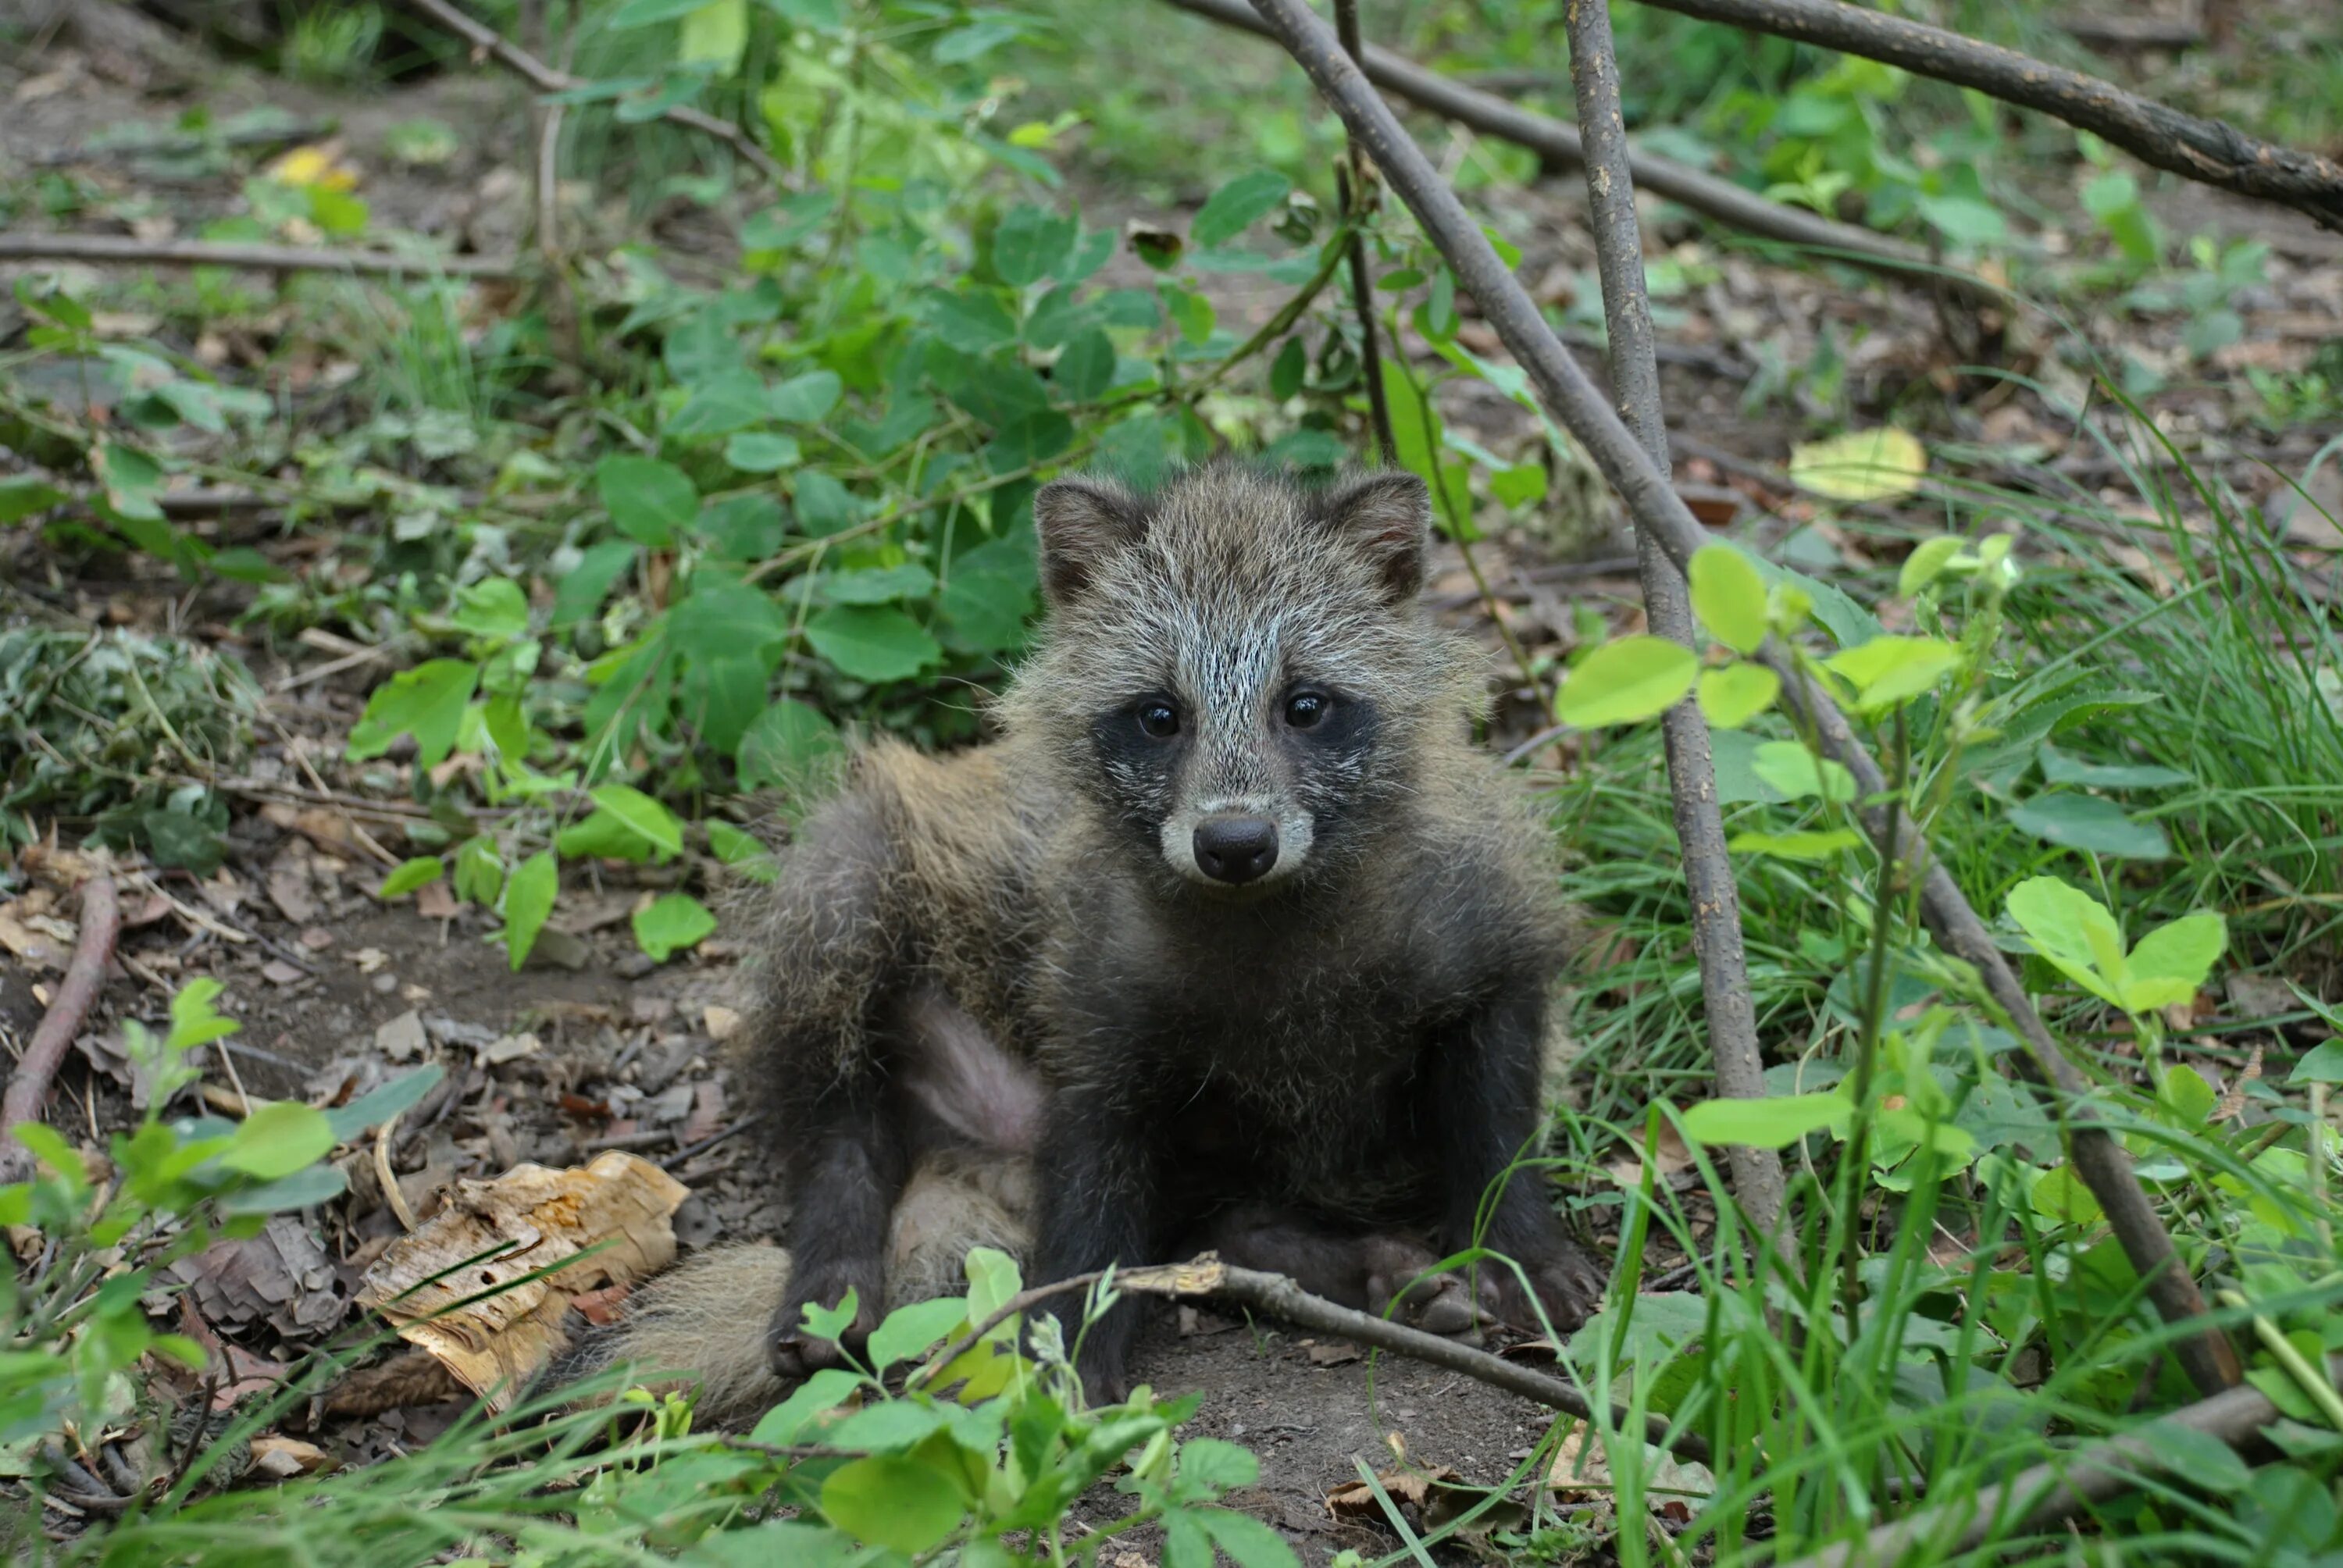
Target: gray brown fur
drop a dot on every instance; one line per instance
(1026, 950)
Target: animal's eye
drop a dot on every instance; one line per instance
(1159, 719)
(1305, 708)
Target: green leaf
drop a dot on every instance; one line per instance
(409, 875)
(22, 495)
(648, 500)
(652, 822)
(1860, 466)
(1797, 774)
(426, 702)
(1774, 1122)
(1889, 669)
(742, 850)
(973, 322)
(803, 399)
(2071, 930)
(715, 35)
(581, 591)
(1086, 366)
(304, 1188)
(379, 1104)
(2059, 1194)
(2176, 956)
(2185, 1096)
(1734, 695)
(670, 924)
(872, 644)
(479, 873)
(762, 452)
(823, 506)
(912, 1328)
(745, 528)
(1925, 563)
(194, 1020)
(2089, 822)
(1031, 244)
(878, 585)
(1221, 1466)
(1819, 845)
(495, 609)
(647, 13)
(1249, 1542)
(892, 1501)
(2323, 1064)
(1290, 368)
(1237, 206)
(2058, 767)
(1191, 311)
(528, 901)
(280, 1137)
(1964, 220)
(792, 746)
(992, 590)
(1729, 597)
(1626, 681)
(132, 480)
(727, 401)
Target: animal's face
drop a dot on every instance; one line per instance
(1231, 652)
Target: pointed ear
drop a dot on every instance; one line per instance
(1385, 517)
(1079, 523)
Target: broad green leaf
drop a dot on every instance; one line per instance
(1796, 773)
(823, 505)
(1890, 669)
(716, 35)
(1818, 845)
(132, 480)
(872, 644)
(22, 495)
(2059, 1194)
(496, 609)
(479, 873)
(744, 527)
(803, 399)
(2058, 767)
(280, 1137)
(792, 746)
(646, 13)
(528, 901)
(824, 1391)
(1732, 696)
(1222, 1467)
(1031, 244)
(605, 836)
(912, 1328)
(648, 500)
(1626, 681)
(1236, 205)
(1860, 466)
(742, 850)
(670, 924)
(1774, 1122)
(2071, 930)
(409, 875)
(762, 452)
(2183, 1094)
(194, 1020)
(653, 823)
(2090, 823)
(1925, 564)
(1522, 484)
(2172, 962)
(1290, 368)
(1964, 220)
(1249, 1542)
(878, 585)
(1729, 597)
(426, 702)
(2323, 1064)
(304, 1188)
(1085, 368)
(892, 1501)
(724, 402)
(973, 322)
(1191, 311)
(579, 594)
(379, 1104)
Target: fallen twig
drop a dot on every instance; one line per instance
(1716, 938)
(1352, 184)
(1208, 1278)
(486, 40)
(122, 248)
(1559, 143)
(28, 1086)
(1564, 388)
(2212, 152)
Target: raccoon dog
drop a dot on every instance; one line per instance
(1233, 939)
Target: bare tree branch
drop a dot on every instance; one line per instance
(2212, 152)
(1656, 506)
(105, 249)
(1692, 773)
(1559, 143)
(486, 40)
(28, 1086)
(1357, 196)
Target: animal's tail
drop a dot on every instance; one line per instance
(704, 1322)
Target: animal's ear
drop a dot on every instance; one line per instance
(1385, 516)
(1079, 523)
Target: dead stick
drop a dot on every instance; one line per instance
(2047, 1496)
(1275, 1295)
(486, 40)
(1357, 196)
(1656, 506)
(1717, 937)
(2211, 152)
(28, 1086)
(105, 248)
(1558, 143)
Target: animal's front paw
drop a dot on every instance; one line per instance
(795, 1351)
(1398, 1268)
(1568, 1286)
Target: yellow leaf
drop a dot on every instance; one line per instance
(318, 164)
(1861, 466)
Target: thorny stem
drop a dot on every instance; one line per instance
(2211, 1361)
(1715, 897)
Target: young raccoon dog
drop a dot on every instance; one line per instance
(1231, 940)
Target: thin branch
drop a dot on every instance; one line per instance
(2211, 152)
(107, 248)
(2047, 1496)
(28, 1086)
(1353, 185)
(486, 41)
(1757, 1178)
(1558, 143)
(1656, 506)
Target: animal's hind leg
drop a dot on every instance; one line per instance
(1369, 1271)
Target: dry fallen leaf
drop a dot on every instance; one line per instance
(721, 1023)
(1860, 466)
(282, 1458)
(1582, 1470)
(1434, 1497)
(541, 1218)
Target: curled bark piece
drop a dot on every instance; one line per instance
(28, 1086)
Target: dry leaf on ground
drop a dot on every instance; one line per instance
(533, 1220)
(1581, 1469)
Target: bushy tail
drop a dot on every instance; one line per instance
(704, 1321)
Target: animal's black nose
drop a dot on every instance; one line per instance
(1235, 850)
